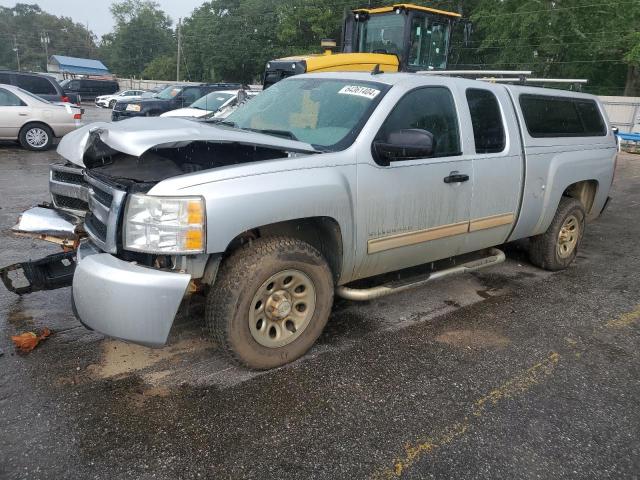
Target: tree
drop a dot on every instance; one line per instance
(161, 68)
(569, 38)
(142, 33)
(25, 25)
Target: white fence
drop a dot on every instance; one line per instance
(623, 112)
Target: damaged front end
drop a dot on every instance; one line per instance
(53, 271)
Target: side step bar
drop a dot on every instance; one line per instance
(360, 294)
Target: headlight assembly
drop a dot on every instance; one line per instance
(132, 107)
(165, 225)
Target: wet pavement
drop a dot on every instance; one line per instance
(511, 372)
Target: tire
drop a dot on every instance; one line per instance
(270, 302)
(112, 104)
(557, 247)
(36, 137)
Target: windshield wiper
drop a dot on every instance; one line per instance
(219, 121)
(279, 133)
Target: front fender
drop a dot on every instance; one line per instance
(236, 205)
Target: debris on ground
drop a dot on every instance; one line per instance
(25, 342)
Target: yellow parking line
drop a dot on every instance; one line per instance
(519, 384)
(626, 319)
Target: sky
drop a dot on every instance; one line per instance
(96, 12)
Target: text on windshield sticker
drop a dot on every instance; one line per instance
(366, 92)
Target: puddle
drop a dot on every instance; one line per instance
(120, 358)
(473, 339)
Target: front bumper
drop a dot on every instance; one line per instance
(124, 300)
(124, 114)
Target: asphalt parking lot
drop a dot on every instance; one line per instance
(511, 372)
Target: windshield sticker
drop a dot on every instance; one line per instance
(366, 92)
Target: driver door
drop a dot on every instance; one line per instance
(413, 211)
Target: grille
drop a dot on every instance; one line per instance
(119, 107)
(94, 225)
(70, 203)
(75, 190)
(105, 204)
(68, 177)
(103, 197)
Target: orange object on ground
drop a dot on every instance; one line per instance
(27, 341)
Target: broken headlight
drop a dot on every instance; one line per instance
(165, 225)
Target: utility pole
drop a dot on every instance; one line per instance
(44, 39)
(15, 49)
(179, 49)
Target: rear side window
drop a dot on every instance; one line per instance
(8, 99)
(547, 116)
(37, 85)
(431, 109)
(488, 130)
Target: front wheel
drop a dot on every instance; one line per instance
(112, 104)
(270, 302)
(36, 137)
(558, 246)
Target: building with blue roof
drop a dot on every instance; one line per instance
(77, 66)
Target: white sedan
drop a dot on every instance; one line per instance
(218, 104)
(33, 121)
(109, 101)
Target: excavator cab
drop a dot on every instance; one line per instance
(401, 37)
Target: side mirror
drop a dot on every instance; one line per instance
(405, 144)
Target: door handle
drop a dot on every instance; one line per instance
(456, 177)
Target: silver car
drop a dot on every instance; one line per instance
(33, 121)
(109, 101)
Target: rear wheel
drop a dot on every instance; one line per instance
(36, 136)
(558, 246)
(270, 302)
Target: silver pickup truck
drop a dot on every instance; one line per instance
(322, 184)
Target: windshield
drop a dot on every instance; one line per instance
(381, 33)
(327, 113)
(168, 93)
(212, 101)
(64, 83)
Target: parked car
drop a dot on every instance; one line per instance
(153, 91)
(33, 121)
(320, 181)
(89, 89)
(109, 101)
(171, 98)
(214, 105)
(43, 86)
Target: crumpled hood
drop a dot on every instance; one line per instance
(135, 136)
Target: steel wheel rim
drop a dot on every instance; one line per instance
(282, 308)
(36, 137)
(568, 236)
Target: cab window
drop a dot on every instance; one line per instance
(486, 120)
(429, 44)
(431, 109)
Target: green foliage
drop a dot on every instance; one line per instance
(161, 68)
(233, 39)
(569, 38)
(142, 33)
(26, 24)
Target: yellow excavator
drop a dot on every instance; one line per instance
(402, 37)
